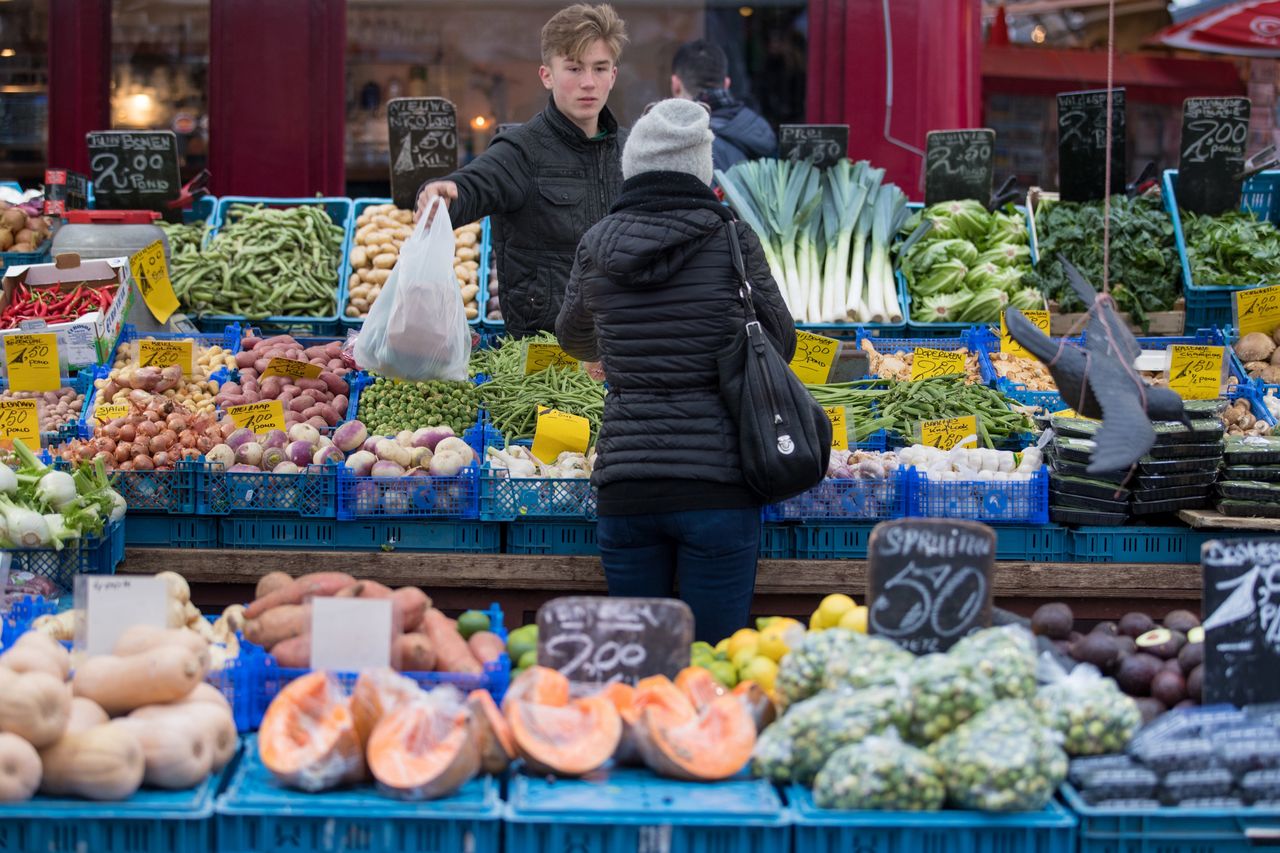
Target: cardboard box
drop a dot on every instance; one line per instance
(89, 340)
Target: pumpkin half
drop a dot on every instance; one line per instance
(540, 685)
(654, 691)
(572, 739)
(421, 752)
(758, 703)
(707, 747)
(492, 732)
(308, 738)
(377, 693)
(699, 685)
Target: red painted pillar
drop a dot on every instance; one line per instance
(276, 97)
(893, 84)
(79, 78)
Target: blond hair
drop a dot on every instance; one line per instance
(572, 31)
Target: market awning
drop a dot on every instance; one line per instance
(1247, 28)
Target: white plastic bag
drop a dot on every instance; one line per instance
(417, 328)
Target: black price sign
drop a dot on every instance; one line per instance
(1215, 132)
(601, 640)
(1082, 144)
(134, 169)
(959, 164)
(1242, 626)
(424, 145)
(822, 145)
(930, 581)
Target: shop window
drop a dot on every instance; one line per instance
(24, 90)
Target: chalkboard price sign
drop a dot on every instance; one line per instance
(929, 584)
(134, 169)
(959, 165)
(822, 145)
(602, 640)
(1242, 624)
(424, 145)
(1082, 144)
(1215, 132)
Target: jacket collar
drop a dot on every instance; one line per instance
(571, 133)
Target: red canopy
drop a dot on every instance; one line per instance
(1246, 28)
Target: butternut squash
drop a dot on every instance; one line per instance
(205, 693)
(143, 638)
(215, 724)
(34, 706)
(121, 684)
(179, 590)
(101, 763)
(85, 714)
(47, 646)
(176, 614)
(30, 659)
(20, 769)
(176, 755)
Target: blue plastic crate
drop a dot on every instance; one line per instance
(311, 492)
(81, 383)
(1169, 830)
(425, 497)
(504, 498)
(90, 555)
(21, 614)
(172, 491)
(1038, 543)
(272, 532)
(256, 815)
(1137, 544)
(625, 811)
(339, 210)
(478, 437)
(989, 501)
(833, 500)
(148, 822)
(239, 683)
(1210, 303)
(145, 530)
(976, 339)
(562, 538)
(837, 540)
(417, 534)
(818, 830)
(24, 259)
(777, 541)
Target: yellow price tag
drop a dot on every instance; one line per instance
(259, 417)
(32, 362)
(108, 412)
(165, 353)
(559, 432)
(947, 433)
(292, 369)
(1195, 372)
(839, 427)
(927, 363)
(20, 419)
(538, 357)
(152, 276)
(1257, 309)
(814, 356)
(1068, 413)
(1012, 347)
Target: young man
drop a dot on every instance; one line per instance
(700, 72)
(548, 180)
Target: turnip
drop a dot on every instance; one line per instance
(392, 451)
(286, 467)
(223, 455)
(271, 457)
(386, 468)
(446, 464)
(430, 437)
(275, 438)
(299, 453)
(404, 438)
(249, 453)
(360, 463)
(239, 437)
(304, 432)
(350, 436)
(452, 444)
(328, 455)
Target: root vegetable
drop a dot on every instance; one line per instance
(452, 653)
(278, 624)
(122, 684)
(296, 591)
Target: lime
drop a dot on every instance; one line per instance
(724, 672)
(528, 659)
(471, 622)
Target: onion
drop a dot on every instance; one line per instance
(299, 453)
(163, 441)
(128, 432)
(386, 468)
(143, 463)
(360, 463)
(238, 437)
(161, 460)
(111, 430)
(275, 438)
(204, 444)
(350, 436)
(249, 453)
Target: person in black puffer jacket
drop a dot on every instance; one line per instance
(653, 295)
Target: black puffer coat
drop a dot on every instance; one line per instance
(653, 295)
(545, 183)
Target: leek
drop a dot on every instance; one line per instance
(889, 203)
(855, 303)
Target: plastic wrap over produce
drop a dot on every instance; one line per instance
(869, 662)
(1004, 656)
(944, 693)
(803, 671)
(1089, 711)
(881, 772)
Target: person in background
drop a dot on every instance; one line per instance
(700, 72)
(655, 297)
(548, 180)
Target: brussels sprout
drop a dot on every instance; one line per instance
(880, 773)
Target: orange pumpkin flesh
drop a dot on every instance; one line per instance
(378, 692)
(758, 703)
(655, 691)
(699, 685)
(569, 740)
(492, 732)
(419, 752)
(308, 738)
(540, 685)
(708, 747)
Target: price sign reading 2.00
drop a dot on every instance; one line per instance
(814, 356)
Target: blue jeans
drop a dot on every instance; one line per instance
(712, 553)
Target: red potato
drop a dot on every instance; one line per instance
(307, 586)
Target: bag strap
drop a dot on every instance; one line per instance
(735, 252)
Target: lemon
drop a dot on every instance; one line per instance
(773, 642)
(815, 622)
(762, 671)
(855, 620)
(745, 638)
(744, 657)
(833, 607)
(722, 649)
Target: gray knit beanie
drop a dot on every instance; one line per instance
(674, 136)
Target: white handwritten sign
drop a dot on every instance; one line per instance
(350, 634)
(112, 604)
(602, 640)
(1242, 624)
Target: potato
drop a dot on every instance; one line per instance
(385, 261)
(358, 257)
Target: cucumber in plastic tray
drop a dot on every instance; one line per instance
(1186, 451)
(1168, 481)
(1070, 501)
(1077, 450)
(1167, 432)
(1081, 469)
(1063, 515)
(1249, 491)
(1252, 450)
(1087, 487)
(1252, 473)
(1141, 508)
(1249, 509)
(1144, 495)
(1165, 467)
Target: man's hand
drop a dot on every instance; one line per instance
(594, 369)
(447, 191)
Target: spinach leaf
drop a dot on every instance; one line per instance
(1233, 248)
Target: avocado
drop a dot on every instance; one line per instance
(1195, 683)
(1150, 708)
(1136, 624)
(1181, 620)
(1126, 645)
(1136, 673)
(1053, 620)
(1098, 649)
(1191, 656)
(1164, 643)
(1108, 628)
(1169, 687)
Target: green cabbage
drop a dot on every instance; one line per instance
(1027, 299)
(1006, 256)
(942, 308)
(944, 277)
(966, 219)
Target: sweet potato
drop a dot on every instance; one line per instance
(410, 605)
(293, 653)
(271, 582)
(364, 589)
(278, 624)
(413, 653)
(452, 653)
(297, 591)
(486, 646)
